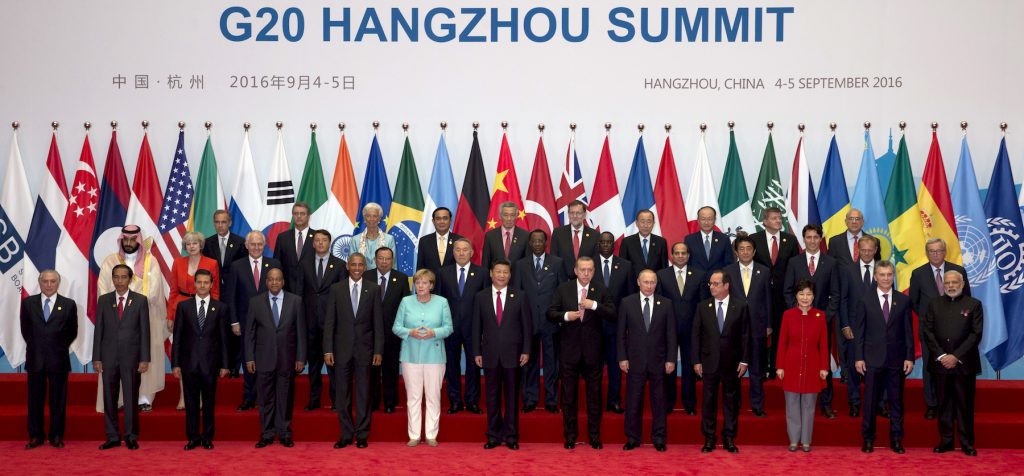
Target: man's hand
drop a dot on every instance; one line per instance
(329, 359)
(698, 369)
(670, 367)
(143, 367)
(523, 359)
(908, 366)
(949, 361)
(479, 361)
(781, 374)
(573, 315)
(587, 304)
(177, 372)
(769, 332)
(251, 366)
(624, 365)
(170, 325)
(377, 359)
(861, 366)
(97, 366)
(299, 366)
(741, 369)
(823, 374)
(848, 333)
(236, 329)
(224, 373)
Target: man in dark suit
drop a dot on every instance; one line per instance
(538, 276)
(506, 242)
(752, 286)
(353, 342)
(294, 245)
(926, 285)
(709, 248)
(459, 283)
(646, 341)
(120, 354)
(575, 239)
(721, 353)
(824, 271)
(855, 280)
(644, 249)
(276, 328)
(773, 248)
(199, 355)
(319, 273)
(248, 278)
(883, 347)
(843, 247)
(435, 250)
(580, 308)
(502, 329)
(394, 286)
(226, 248)
(952, 328)
(617, 276)
(49, 324)
(684, 287)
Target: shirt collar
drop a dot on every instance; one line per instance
(880, 293)
(494, 289)
(125, 295)
(383, 275)
(775, 235)
(44, 297)
(707, 235)
(817, 256)
(442, 237)
(725, 303)
(352, 282)
(677, 269)
(279, 295)
(541, 256)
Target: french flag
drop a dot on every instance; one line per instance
(47, 220)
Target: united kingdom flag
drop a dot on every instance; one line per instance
(571, 186)
(177, 198)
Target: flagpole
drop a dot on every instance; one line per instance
(540, 127)
(405, 128)
(607, 128)
(444, 126)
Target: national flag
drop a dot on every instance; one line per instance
(1006, 231)
(904, 219)
(506, 188)
(74, 247)
(277, 209)
(146, 206)
(312, 189)
(246, 206)
(110, 217)
(441, 191)
(733, 200)
(669, 199)
(639, 194)
(979, 257)
(177, 206)
(342, 203)
(768, 192)
(702, 190)
(885, 164)
(867, 197)
(15, 220)
(800, 198)
(935, 205)
(833, 199)
(570, 187)
(209, 195)
(47, 220)
(605, 207)
(376, 188)
(406, 212)
(471, 217)
(540, 197)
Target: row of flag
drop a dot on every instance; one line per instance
(72, 229)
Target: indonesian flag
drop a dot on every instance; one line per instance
(605, 207)
(671, 209)
(73, 248)
(540, 197)
(144, 207)
(702, 189)
(506, 188)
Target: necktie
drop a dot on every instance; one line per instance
(680, 281)
(355, 299)
(319, 271)
(885, 307)
(536, 267)
(120, 308)
(276, 311)
(867, 276)
(721, 317)
(46, 310)
(223, 249)
(707, 246)
(607, 272)
(938, 282)
(775, 250)
(856, 247)
(298, 246)
(810, 267)
(202, 314)
(498, 308)
(583, 295)
(508, 243)
(462, 280)
(746, 281)
(256, 273)
(576, 243)
(383, 287)
(647, 313)
(645, 250)
(442, 247)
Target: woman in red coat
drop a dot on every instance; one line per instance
(802, 363)
(183, 281)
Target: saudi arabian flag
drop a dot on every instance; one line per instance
(406, 212)
(733, 200)
(209, 196)
(312, 189)
(768, 191)
(904, 219)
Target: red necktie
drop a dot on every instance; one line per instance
(120, 308)
(583, 295)
(775, 250)
(856, 248)
(508, 242)
(498, 308)
(576, 244)
(810, 267)
(256, 273)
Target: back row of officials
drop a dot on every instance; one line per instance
(568, 312)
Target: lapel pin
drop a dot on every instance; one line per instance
(59, 308)
(757, 272)
(716, 240)
(394, 279)
(657, 303)
(213, 309)
(616, 266)
(711, 305)
(472, 273)
(689, 273)
(330, 266)
(545, 268)
(266, 265)
(231, 245)
(586, 235)
(817, 314)
(511, 295)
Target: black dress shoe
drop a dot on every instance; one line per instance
(57, 442)
(843, 380)
(110, 444)
(854, 412)
(759, 413)
(245, 406)
(389, 409)
(191, 445)
(897, 447)
(883, 412)
(529, 407)
(34, 443)
(596, 444)
(474, 409)
(491, 444)
(943, 448)
(361, 444)
(569, 444)
(709, 445)
(630, 446)
(689, 411)
(929, 414)
(868, 446)
(616, 408)
(342, 443)
(233, 373)
(729, 446)
(132, 444)
(669, 410)
(334, 407)
(287, 442)
(828, 413)
(264, 442)
(551, 408)
(207, 445)
(969, 450)
(660, 447)
(512, 445)
(456, 408)
(312, 406)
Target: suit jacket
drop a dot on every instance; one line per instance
(426, 252)
(315, 295)
(284, 252)
(397, 288)
(954, 326)
(540, 287)
(880, 344)
(122, 340)
(354, 337)
(581, 340)
(494, 246)
(47, 342)
(721, 351)
(235, 250)
(685, 304)
(827, 295)
(561, 246)
(502, 344)
(758, 299)
(201, 350)
(923, 289)
(631, 249)
(241, 286)
(462, 306)
(721, 251)
(621, 283)
(788, 248)
(851, 289)
(839, 247)
(275, 347)
(647, 350)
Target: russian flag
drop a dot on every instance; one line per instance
(246, 205)
(110, 216)
(47, 220)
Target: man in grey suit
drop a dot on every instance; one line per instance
(120, 354)
(277, 329)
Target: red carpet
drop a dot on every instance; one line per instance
(999, 419)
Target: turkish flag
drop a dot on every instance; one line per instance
(541, 211)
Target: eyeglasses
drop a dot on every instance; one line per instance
(715, 283)
(935, 252)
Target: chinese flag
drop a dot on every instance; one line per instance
(506, 189)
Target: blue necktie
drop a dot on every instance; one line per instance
(355, 300)
(721, 317)
(607, 273)
(707, 246)
(645, 250)
(275, 310)
(46, 310)
(647, 313)
(462, 280)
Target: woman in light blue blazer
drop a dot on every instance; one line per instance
(423, 321)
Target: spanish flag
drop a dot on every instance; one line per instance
(935, 204)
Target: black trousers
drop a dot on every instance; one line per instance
(384, 378)
(729, 381)
(37, 398)
(543, 356)
(636, 379)
(825, 396)
(758, 354)
(611, 362)
(315, 363)
(118, 378)
(456, 346)
(277, 397)
(890, 381)
(684, 373)
(348, 374)
(853, 377)
(956, 403)
(591, 373)
(931, 398)
(200, 401)
(501, 384)
(248, 378)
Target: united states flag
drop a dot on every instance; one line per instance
(571, 186)
(177, 199)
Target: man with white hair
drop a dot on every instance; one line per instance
(373, 236)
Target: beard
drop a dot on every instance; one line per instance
(129, 249)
